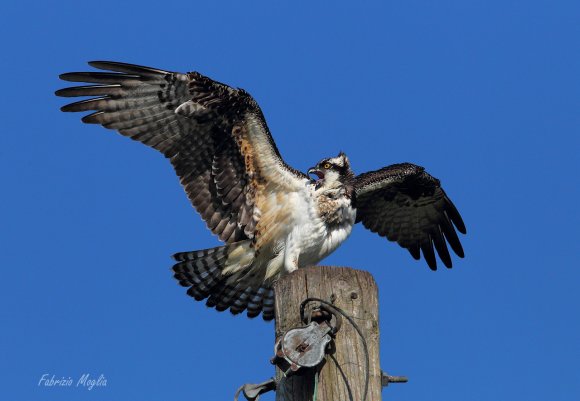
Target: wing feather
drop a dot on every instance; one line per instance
(405, 204)
(215, 136)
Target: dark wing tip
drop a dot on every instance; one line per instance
(415, 251)
(93, 118)
(460, 252)
(69, 107)
(84, 105)
(454, 215)
(458, 222)
(429, 253)
(68, 76)
(109, 65)
(126, 68)
(432, 264)
(101, 63)
(441, 246)
(61, 92)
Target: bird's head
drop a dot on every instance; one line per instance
(331, 171)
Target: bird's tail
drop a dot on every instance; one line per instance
(226, 275)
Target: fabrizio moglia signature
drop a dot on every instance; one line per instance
(85, 380)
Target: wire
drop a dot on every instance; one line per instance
(315, 385)
(354, 325)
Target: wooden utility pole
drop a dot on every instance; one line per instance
(342, 377)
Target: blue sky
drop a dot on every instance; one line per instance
(484, 94)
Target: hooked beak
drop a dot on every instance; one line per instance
(318, 173)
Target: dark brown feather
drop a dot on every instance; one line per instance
(189, 118)
(405, 204)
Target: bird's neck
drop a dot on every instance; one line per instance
(334, 185)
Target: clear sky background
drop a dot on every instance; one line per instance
(485, 94)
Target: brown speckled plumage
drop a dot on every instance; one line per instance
(329, 208)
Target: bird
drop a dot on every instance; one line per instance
(272, 218)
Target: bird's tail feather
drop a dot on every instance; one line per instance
(225, 275)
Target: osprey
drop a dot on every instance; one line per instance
(272, 218)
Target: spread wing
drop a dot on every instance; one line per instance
(405, 204)
(215, 136)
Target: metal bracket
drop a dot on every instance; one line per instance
(252, 392)
(303, 347)
(386, 379)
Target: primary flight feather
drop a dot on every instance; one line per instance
(272, 218)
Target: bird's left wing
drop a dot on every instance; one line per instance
(405, 204)
(214, 135)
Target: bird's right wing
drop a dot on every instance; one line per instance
(215, 136)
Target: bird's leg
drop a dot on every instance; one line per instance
(291, 256)
(291, 262)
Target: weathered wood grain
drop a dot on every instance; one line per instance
(342, 377)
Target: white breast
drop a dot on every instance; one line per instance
(312, 239)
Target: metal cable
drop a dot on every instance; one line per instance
(354, 325)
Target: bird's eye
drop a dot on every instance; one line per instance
(326, 165)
